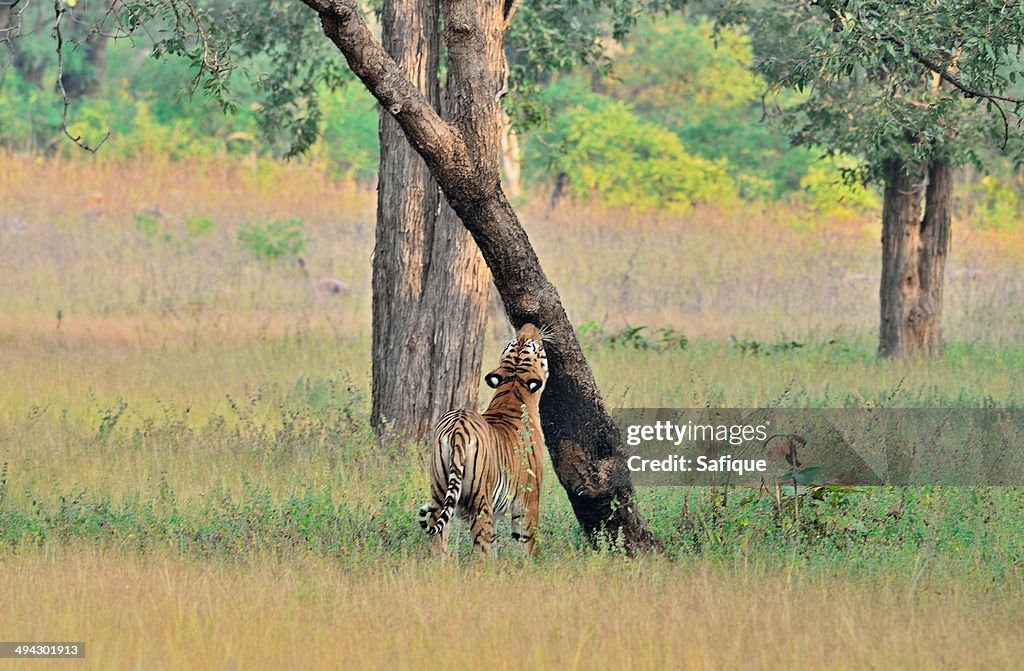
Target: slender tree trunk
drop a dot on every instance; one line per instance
(936, 233)
(429, 280)
(914, 258)
(585, 444)
(511, 157)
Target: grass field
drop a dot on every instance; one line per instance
(190, 481)
(585, 613)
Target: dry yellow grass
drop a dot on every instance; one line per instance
(62, 193)
(164, 613)
(120, 239)
(714, 272)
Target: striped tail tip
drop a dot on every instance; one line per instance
(424, 515)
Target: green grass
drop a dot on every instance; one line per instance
(280, 458)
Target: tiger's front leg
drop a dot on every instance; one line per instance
(483, 530)
(525, 520)
(526, 513)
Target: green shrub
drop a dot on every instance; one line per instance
(611, 152)
(998, 205)
(199, 226)
(659, 339)
(831, 192)
(275, 240)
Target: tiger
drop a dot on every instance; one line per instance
(484, 465)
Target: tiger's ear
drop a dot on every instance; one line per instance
(534, 386)
(493, 380)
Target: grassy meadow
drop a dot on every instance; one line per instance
(189, 479)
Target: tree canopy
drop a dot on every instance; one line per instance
(885, 80)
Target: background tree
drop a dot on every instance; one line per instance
(429, 280)
(682, 73)
(551, 38)
(915, 89)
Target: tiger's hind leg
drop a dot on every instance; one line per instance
(482, 528)
(438, 542)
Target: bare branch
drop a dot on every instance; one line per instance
(59, 12)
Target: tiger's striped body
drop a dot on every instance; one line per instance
(486, 465)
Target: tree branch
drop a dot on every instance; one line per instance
(946, 75)
(437, 141)
(59, 11)
(957, 83)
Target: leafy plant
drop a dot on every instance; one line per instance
(199, 226)
(634, 337)
(756, 348)
(275, 240)
(149, 224)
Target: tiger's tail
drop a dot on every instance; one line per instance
(455, 474)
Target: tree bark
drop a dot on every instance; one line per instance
(584, 442)
(914, 251)
(429, 280)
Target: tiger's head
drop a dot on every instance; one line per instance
(523, 362)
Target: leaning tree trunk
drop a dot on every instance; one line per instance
(585, 445)
(914, 258)
(429, 281)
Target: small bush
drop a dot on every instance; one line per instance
(831, 191)
(278, 239)
(199, 226)
(634, 337)
(149, 225)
